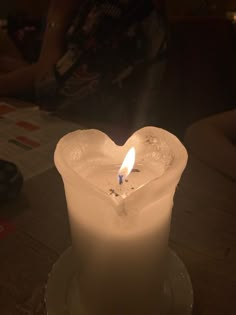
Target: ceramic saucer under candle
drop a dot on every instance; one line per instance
(60, 294)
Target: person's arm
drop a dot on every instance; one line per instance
(22, 80)
(213, 140)
(59, 17)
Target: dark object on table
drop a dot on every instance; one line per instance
(11, 181)
(26, 33)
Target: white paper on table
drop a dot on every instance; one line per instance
(28, 138)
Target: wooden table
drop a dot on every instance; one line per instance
(203, 233)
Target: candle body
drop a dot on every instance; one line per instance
(120, 232)
(120, 272)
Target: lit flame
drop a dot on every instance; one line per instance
(127, 165)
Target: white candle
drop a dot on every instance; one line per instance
(120, 231)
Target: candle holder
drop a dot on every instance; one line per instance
(62, 296)
(120, 214)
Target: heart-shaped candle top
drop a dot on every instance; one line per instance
(89, 162)
(93, 156)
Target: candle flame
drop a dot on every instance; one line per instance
(128, 164)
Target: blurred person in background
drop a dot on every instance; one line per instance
(97, 58)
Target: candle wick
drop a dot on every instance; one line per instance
(120, 179)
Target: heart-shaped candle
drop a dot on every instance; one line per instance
(120, 222)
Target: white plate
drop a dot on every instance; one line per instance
(178, 290)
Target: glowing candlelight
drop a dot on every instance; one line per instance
(127, 165)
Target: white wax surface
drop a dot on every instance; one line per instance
(105, 177)
(153, 158)
(120, 232)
